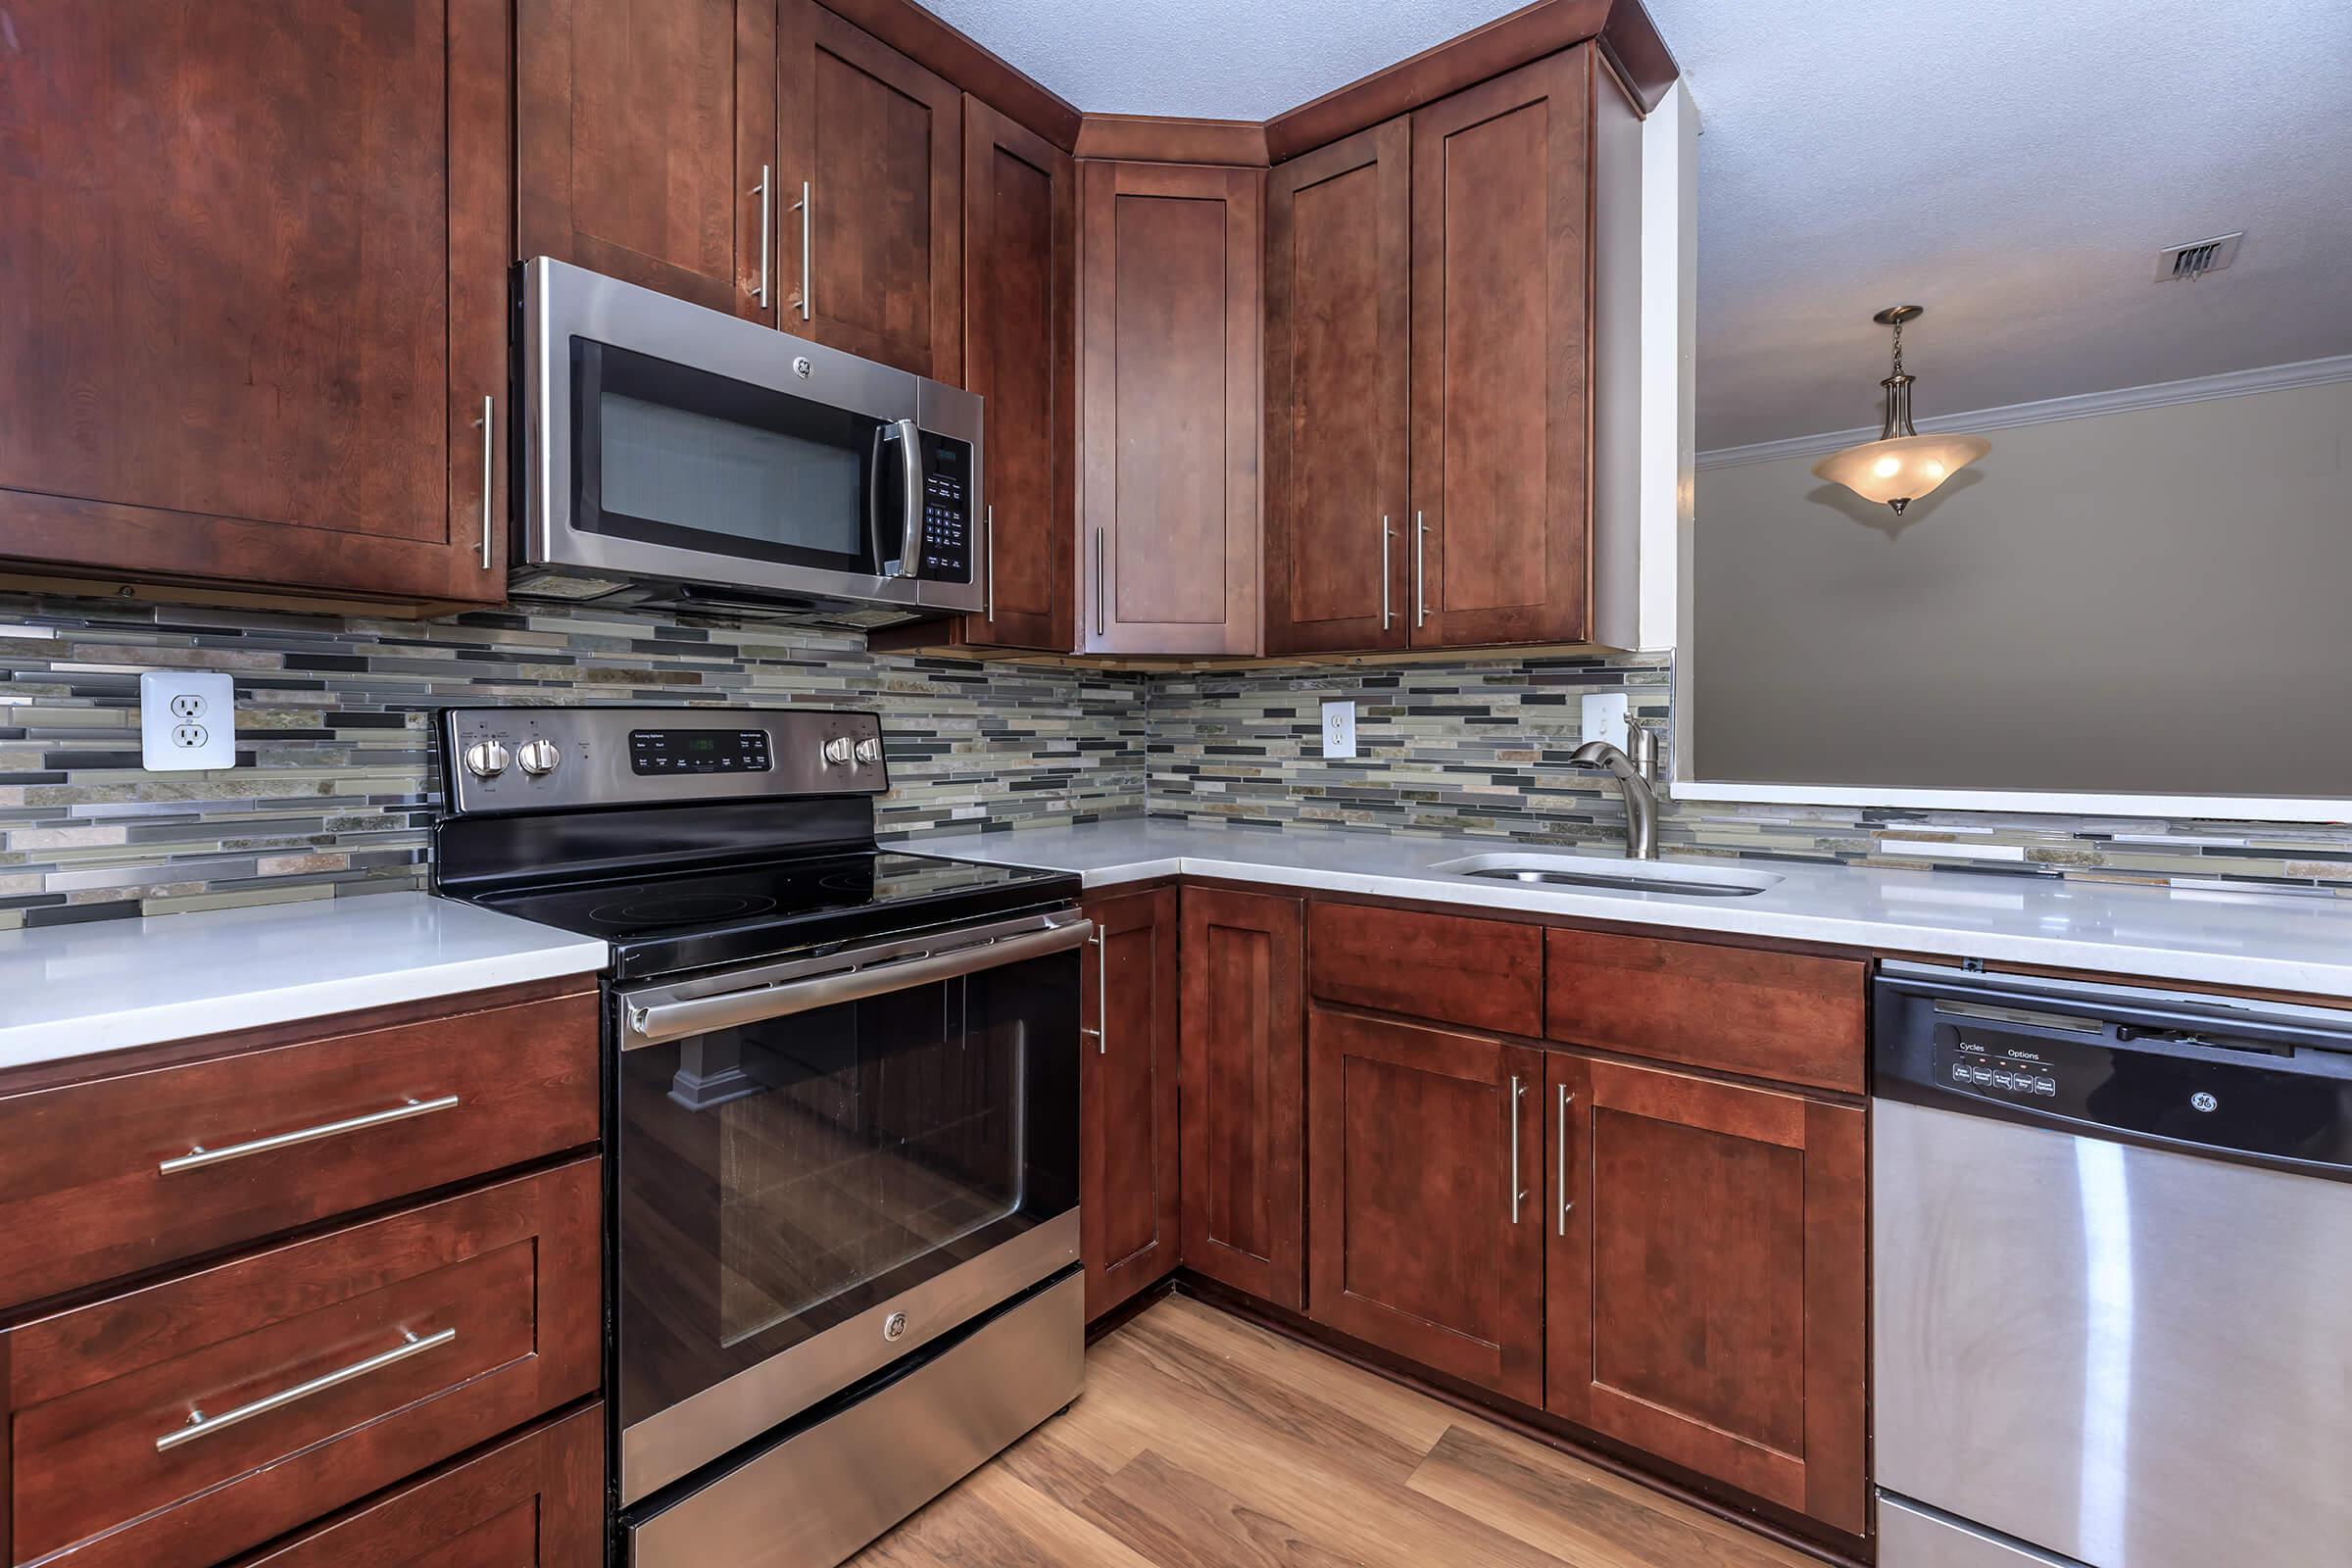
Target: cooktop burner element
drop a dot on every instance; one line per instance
(688, 909)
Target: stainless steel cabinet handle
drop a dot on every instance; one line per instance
(489, 404)
(1101, 1030)
(767, 216)
(201, 1425)
(1420, 577)
(1517, 1088)
(1102, 553)
(1566, 1100)
(992, 562)
(1385, 531)
(198, 1157)
(807, 207)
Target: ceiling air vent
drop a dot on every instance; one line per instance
(2195, 260)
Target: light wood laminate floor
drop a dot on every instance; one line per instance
(1204, 1442)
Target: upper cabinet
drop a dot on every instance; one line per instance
(1169, 261)
(253, 321)
(1494, 286)
(870, 196)
(647, 143)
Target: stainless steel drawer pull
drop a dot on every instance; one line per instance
(489, 473)
(1517, 1192)
(1566, 1100)
(198, 1157)
(1100, 1033)
(1386, 533)
(807, 207)
(202, 1425)
(767, 201)
(1420, 571)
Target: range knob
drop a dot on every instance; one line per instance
(869, 752)
(539, 757)
(486, 758)
(839, 750)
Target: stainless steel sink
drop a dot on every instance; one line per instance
(1627, 876)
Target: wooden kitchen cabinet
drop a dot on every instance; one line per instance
(256, 294)
(875, 265)
(1425, 1215)
(1339, 278)
(645, 129)
(1243, 1089)
(1705, 1292)
(1170, 260)
(1129, 1218)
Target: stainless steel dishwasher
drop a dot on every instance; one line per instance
(2112, 1276)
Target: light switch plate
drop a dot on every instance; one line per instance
(187, 720)
(1604, 720)
(1338, 729)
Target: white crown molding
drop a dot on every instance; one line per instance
(2082, 406)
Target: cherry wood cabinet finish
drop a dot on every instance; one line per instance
(1707, 1285)
(879, 141)
(536, 1500)
(643, 128)
(1425, 1227)
(1488, 974)
(1130, 1214)
(1020, 196)
(1339, 505)
(515, 1269)
(931, 44)
(1244, 1084)
(249, 323)
(1791, 1017)
(1168, 140)
(82, 1200)
(1502, 359)
(1169, 262)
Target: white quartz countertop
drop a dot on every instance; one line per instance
(2260, 941)
(79, 989)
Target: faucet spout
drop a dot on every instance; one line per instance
(1640, 801)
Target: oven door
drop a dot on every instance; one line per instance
(823, 1166)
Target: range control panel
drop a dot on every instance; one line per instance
(699, 751)
(945, 546)
(546, 758)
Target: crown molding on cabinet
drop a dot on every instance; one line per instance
(1159, 139)
(2048, 411)
(938, 48)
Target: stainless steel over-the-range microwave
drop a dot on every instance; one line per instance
(680, 457)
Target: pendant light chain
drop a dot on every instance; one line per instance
(1898, 346)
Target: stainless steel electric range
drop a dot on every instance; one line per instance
(842, 1118)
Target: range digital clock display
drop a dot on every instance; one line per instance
(699, 751)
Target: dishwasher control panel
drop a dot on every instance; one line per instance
(2000, 1067)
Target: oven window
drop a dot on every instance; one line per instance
(782, 1177)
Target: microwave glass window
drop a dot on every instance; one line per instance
(693, 470)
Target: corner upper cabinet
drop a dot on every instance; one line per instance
(869, 201)
(1526, 253)
(1170, 259)
(1339, 275)
(256, 294)
(646, 129)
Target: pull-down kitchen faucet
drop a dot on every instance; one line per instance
(1633, 775)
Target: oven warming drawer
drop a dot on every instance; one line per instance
(814, 1498)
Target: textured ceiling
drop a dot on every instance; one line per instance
(2012, 165)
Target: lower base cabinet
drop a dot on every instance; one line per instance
(1705, 1295)
(536, 1500)
(1424, 1230)
(1128, 1213)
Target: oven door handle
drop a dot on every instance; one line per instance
(657, 1023)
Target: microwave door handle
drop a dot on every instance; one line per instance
(910, 532)
(656, 1022)
(873, 499)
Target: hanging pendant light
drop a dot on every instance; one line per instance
(1901, 464)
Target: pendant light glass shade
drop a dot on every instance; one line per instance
(1901, 464)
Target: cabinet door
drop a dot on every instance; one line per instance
(1020, 195)
(1425, 1232)
(252, 292)
(1502, 359)
(1338, 272)
(873, 144)
(1244, 1083)
(1128, 1201)
(1705, 1294)
(1169, 262)
(645, 127)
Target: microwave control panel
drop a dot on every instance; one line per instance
(944, 551)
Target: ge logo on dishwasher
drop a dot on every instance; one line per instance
(2204, 1102)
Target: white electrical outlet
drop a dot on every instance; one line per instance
(1338, 729)
(1604, 720)
(187, 720)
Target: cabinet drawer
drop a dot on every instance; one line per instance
(179, 1424)
(119, 1175)
(533, 1501)
(1778, 1015)
(1488, 974)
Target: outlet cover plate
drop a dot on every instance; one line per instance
(187, 720)
(1338, 729)
(1605, 720)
